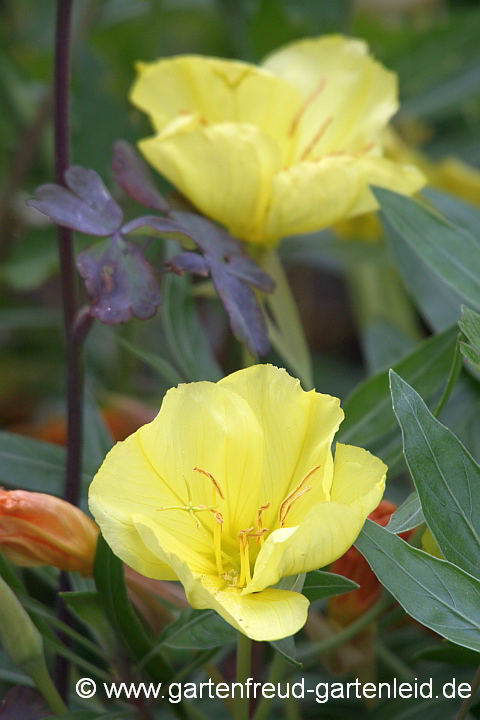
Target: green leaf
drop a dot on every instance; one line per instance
(470, 325)
(97, 437)
(320, 584)
(36, 465)
(286, 648)
(436, 593)
(158, 363)
(198, 630)
(457, 211)
(451, 251)
(368, 410)
(88, 609)
(446, 476)
(449, 653)
(186, 340)
(110, 582)
(408, 516)
(285, 329)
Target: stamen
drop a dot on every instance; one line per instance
(260, 512)
(293, 496)
(245, 576)
(217, 539)
(259, 535)
(318, 135)
(308, 101)
(291, 504)
(216, 486)
(365, 149)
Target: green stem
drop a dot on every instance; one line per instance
(39, 674)
(310, 656)
(465, 706)
(393, 662)
(277, 670)
(244, 667)
(455, 370)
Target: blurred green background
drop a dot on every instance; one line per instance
(434, 48)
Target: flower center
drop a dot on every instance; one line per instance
(232, 575)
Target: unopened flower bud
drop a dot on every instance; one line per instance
(18, 635)
(40, 529)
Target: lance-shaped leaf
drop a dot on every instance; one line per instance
(452, 252)
(133, 176)
(119, 281)
(408, 516)
(470, 324)
(86, 205)
(436, 593)
(446, 476)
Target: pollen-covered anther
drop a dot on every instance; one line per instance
(296, 493)
(216, 486)
(260, 512)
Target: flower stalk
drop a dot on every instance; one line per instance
(244, 668)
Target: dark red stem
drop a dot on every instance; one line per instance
(69, 299)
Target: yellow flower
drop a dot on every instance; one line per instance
(232, 487)
(289, 147)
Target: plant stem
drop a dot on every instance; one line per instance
(68, 285)
(394, 663)
(244, 667)
(465, 706)
(311, 655)
(43, 681)
(277, 670)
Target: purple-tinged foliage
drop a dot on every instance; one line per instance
(189, 262)
(134, 177)
(246, 317)
(86, 206)
(232, 274)
(119, 281)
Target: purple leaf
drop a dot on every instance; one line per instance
(87, 206)
(244, 268)
(119, 281)
(246, 317)
(22, 703)
(162, 226)
(133, 176)
(209, 237)
(189, 262)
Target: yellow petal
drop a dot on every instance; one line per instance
(216, 90)
(298, 429)
(207, 426)
(430, 545)
(269, 615)
(225, 170)
(357, 93)
(330, 528)
(313, 195)
(127, 483)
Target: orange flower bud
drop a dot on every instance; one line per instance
(344, 609)
(39, 529)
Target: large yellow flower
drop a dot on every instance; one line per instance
(232, 487)
(289, 147)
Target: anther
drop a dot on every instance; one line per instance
(293, 496)
(308, 101)
(260, 511)
(318, 136)
(216, 486)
